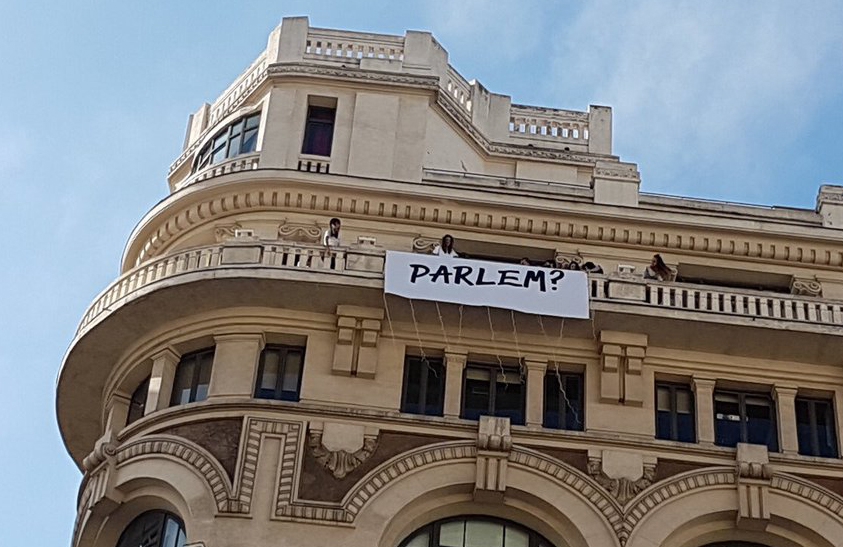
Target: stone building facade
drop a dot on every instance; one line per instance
(243, 384)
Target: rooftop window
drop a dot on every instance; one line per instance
(240, 137)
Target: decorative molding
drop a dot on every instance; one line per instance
(560, 225)
(340, 462)
(622, 489)
(494, 442)
(622, 358)
(299, 232)
(352, 74)
(806, 287)
(424, 245)
(225, 232)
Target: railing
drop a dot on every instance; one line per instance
(234, 165)
(733, 302)
(324, 44)
(231, 97)
(291, 256)
(458, 89)
(548, 123)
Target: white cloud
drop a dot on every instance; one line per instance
(694, 84)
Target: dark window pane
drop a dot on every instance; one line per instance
(137, 404)
(759, 422)
(153, 529)
(509, 396)
(234, 146)
(412, 386)
(183, 382)
(318, 131)
(435, 388)
(686, 428)
(292, 373)
(203, 380)
(477, 395)
(815, 428)
(563, 403)
(675, 413)
(270, 372)
(250, 139)
(826, 436)
(727, 419)
(253, 121)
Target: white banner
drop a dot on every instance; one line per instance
(530, 289)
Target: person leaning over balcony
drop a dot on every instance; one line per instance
(446, 247)
(331, 237)
(658, 270)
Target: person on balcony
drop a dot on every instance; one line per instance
(331, 237)
(446, 247)
(658, 270)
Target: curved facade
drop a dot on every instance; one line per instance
(259, 387)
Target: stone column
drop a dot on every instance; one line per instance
(704, 396)
(454, 366)
(161, 380)
(785, 396)
(536, 370)
(117, 409)
(235, 364)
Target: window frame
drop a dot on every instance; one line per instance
(197, 372)
(423, 387)
(433, 531)
(278, 392)
(812, 419)
(773, 435)
(205, 157)
(494, 370)
(313, 123)
(673, 387)
(164, 517)
(563, 403)
(134, 403)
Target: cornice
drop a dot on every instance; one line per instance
(539, 218)
(354, 74)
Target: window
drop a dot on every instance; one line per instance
(137, 404)
(492, 392)
(675, 413)
(745, 418)
(240, 137)
(475, 532)
(563, 400)
(154, 529)
(279, 373)
(193, 375)
(815, 427)
(319, 130)
(424, 386)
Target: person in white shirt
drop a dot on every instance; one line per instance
(446, 247)
(331, 237)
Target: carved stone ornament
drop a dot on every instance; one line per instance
(564, 261)
(340, 462)
(104, 448)
(224, 232)
(424, 245)
(622, 489)
(806, 287)
(299, 233)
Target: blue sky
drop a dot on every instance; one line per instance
(738, 101)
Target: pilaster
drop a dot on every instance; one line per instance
(235, 364)
(161, 380)
(704, 397)
(454, 366)
(785, 396)
(358, 330)
(536, 370)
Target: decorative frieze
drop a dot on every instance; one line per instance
(341, 448)
(622, 358)
(299, 232)
(356, 351)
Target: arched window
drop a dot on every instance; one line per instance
(475, 532)
(154, 529)
(137, 404)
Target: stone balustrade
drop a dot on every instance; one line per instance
(238, 252)
(247, 162)
(327, 44)
(716, 300)
(458, 88)
(369, 263)
(548, 124)
(236, 92)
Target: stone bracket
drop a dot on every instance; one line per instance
(358, 330)
(494, 442)
(754, 477)
(622, 359)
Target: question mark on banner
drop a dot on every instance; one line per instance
(555, 276)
